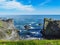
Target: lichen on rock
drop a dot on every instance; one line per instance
(8, 30)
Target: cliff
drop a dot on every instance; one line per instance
(8, 30)
(51, 29)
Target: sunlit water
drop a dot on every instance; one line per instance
(33, 21)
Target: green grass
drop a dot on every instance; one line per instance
(1, 24)
(31, 42)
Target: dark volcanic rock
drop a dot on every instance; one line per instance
(51, 29)
(27, 27)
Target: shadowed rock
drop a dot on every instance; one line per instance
(27, 27)
(51, 29)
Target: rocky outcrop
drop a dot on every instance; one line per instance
(51, 29)
(8, 30)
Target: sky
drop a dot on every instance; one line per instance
(29, 7)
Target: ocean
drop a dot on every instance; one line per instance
(34, 21)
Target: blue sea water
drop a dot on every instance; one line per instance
(33, 21)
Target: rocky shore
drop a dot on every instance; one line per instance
(51, 29)
(8, 30)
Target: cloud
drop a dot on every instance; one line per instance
(2, 0)
(15, 5)
(43, 3)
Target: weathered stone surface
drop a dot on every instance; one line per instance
(8, 30)
(51, 29)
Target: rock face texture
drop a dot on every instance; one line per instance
(51, 29)
(7, 30)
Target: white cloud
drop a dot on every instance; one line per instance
(43, 3)
(2, 0)
(15, 5)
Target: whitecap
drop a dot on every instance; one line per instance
(35, 32)
(32, 22)
(36, 24)
(32, 27)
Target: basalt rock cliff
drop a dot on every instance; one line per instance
(51, 29)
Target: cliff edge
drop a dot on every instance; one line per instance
(51, 29)
(8, 30)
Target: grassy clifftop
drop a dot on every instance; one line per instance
(31, 42)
